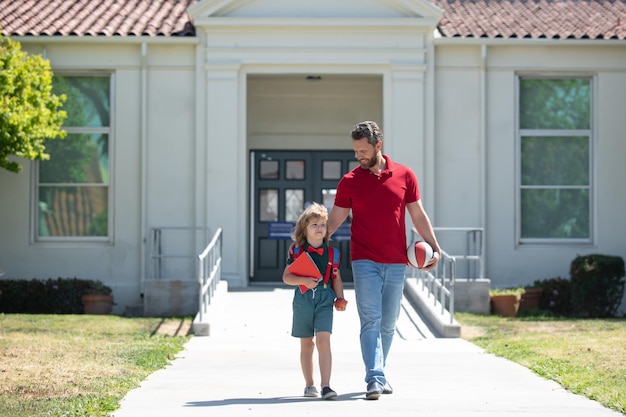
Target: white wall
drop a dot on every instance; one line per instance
(170, 155)
(459, 150)
(457, 137)
(169, 150)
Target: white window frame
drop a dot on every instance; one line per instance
(35, 185)
(590, 133)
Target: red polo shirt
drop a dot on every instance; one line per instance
(378, 204)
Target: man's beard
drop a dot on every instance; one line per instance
(369, 163)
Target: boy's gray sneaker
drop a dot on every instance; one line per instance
(311, 392)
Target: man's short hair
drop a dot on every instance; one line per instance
(369, 130)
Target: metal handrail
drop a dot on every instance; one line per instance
(474, 249)
(434, 282)
(209, 272)
(159, 255)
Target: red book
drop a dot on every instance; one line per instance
(304, 266)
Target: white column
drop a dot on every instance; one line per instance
(224, 174)
(405, 117)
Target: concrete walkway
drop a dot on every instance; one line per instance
(249, 366)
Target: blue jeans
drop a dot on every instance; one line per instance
(378, 288)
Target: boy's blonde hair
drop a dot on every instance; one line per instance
(312, 212)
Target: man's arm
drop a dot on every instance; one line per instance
(422, 224)
(337, 216)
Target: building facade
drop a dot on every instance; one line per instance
(199, 115)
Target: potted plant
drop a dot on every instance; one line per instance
(505, 301)
(531, 297)
(97, 298)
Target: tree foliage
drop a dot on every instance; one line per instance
(30, 113)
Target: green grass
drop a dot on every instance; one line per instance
(587, 357)
(77, 365)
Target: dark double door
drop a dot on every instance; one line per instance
(282, 184)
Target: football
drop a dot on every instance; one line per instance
(419, 253)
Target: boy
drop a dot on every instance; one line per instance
(313, 300)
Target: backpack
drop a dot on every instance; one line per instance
(333, 260)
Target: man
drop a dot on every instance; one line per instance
(379, 192)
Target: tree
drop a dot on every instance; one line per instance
(30, 112)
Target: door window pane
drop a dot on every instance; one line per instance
(331, 170)
(268, 205)
(294, 203)
(328, 198)
(295, 170)
(268, 170)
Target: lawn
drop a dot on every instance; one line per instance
(587, 357)
(79, 365)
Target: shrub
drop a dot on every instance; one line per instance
(51, 296)
(555, 296)
(97, 287)
(597, 285)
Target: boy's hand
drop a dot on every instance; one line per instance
(310, 283)
(340, 304)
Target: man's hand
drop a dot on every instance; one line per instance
(433, 262)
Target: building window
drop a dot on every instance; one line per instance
(555, 145)
(73, 187)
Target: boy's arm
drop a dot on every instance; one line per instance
(291, 279)
(337, 284)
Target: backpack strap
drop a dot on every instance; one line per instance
(333, 264)
(294, 250)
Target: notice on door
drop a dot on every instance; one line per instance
(284, 231)
(280, 230)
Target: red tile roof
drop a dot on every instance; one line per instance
(533, 19)
(96, 18)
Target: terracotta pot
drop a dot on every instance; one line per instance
(97, 303)
(506, 305)
(530, 299)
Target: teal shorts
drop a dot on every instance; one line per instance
(312, 311)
